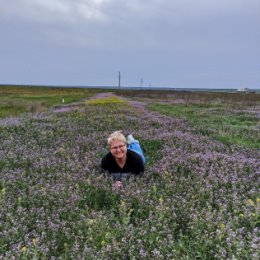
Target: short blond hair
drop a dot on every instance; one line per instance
(116, 136)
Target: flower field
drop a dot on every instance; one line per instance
(198, 198)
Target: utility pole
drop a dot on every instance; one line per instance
(141, 83)
(119, 79)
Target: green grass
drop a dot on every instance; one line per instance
(15, 101)
(217, 121)
(151, 149)
(105, 100)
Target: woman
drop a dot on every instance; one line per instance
(123, 161)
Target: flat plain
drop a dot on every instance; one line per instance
(198, 198)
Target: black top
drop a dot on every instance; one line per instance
(134, 163)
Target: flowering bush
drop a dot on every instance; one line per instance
(197, 199)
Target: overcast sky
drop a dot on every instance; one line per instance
(168, 43)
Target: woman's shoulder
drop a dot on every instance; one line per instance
(133, 155)
(108, 156)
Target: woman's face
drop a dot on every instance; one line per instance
(118, 149)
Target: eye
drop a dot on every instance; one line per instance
(118, 147)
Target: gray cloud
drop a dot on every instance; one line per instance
(169, 42)
(76, 10)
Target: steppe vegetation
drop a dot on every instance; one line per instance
(198, 198)
(15, 100)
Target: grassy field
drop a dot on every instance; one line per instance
(222, 122)
(15, 100)
(198, 198)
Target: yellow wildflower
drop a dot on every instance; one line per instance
(24, 249)
(90, 221)
(222, 226)
(250, 202)
(166, 174)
